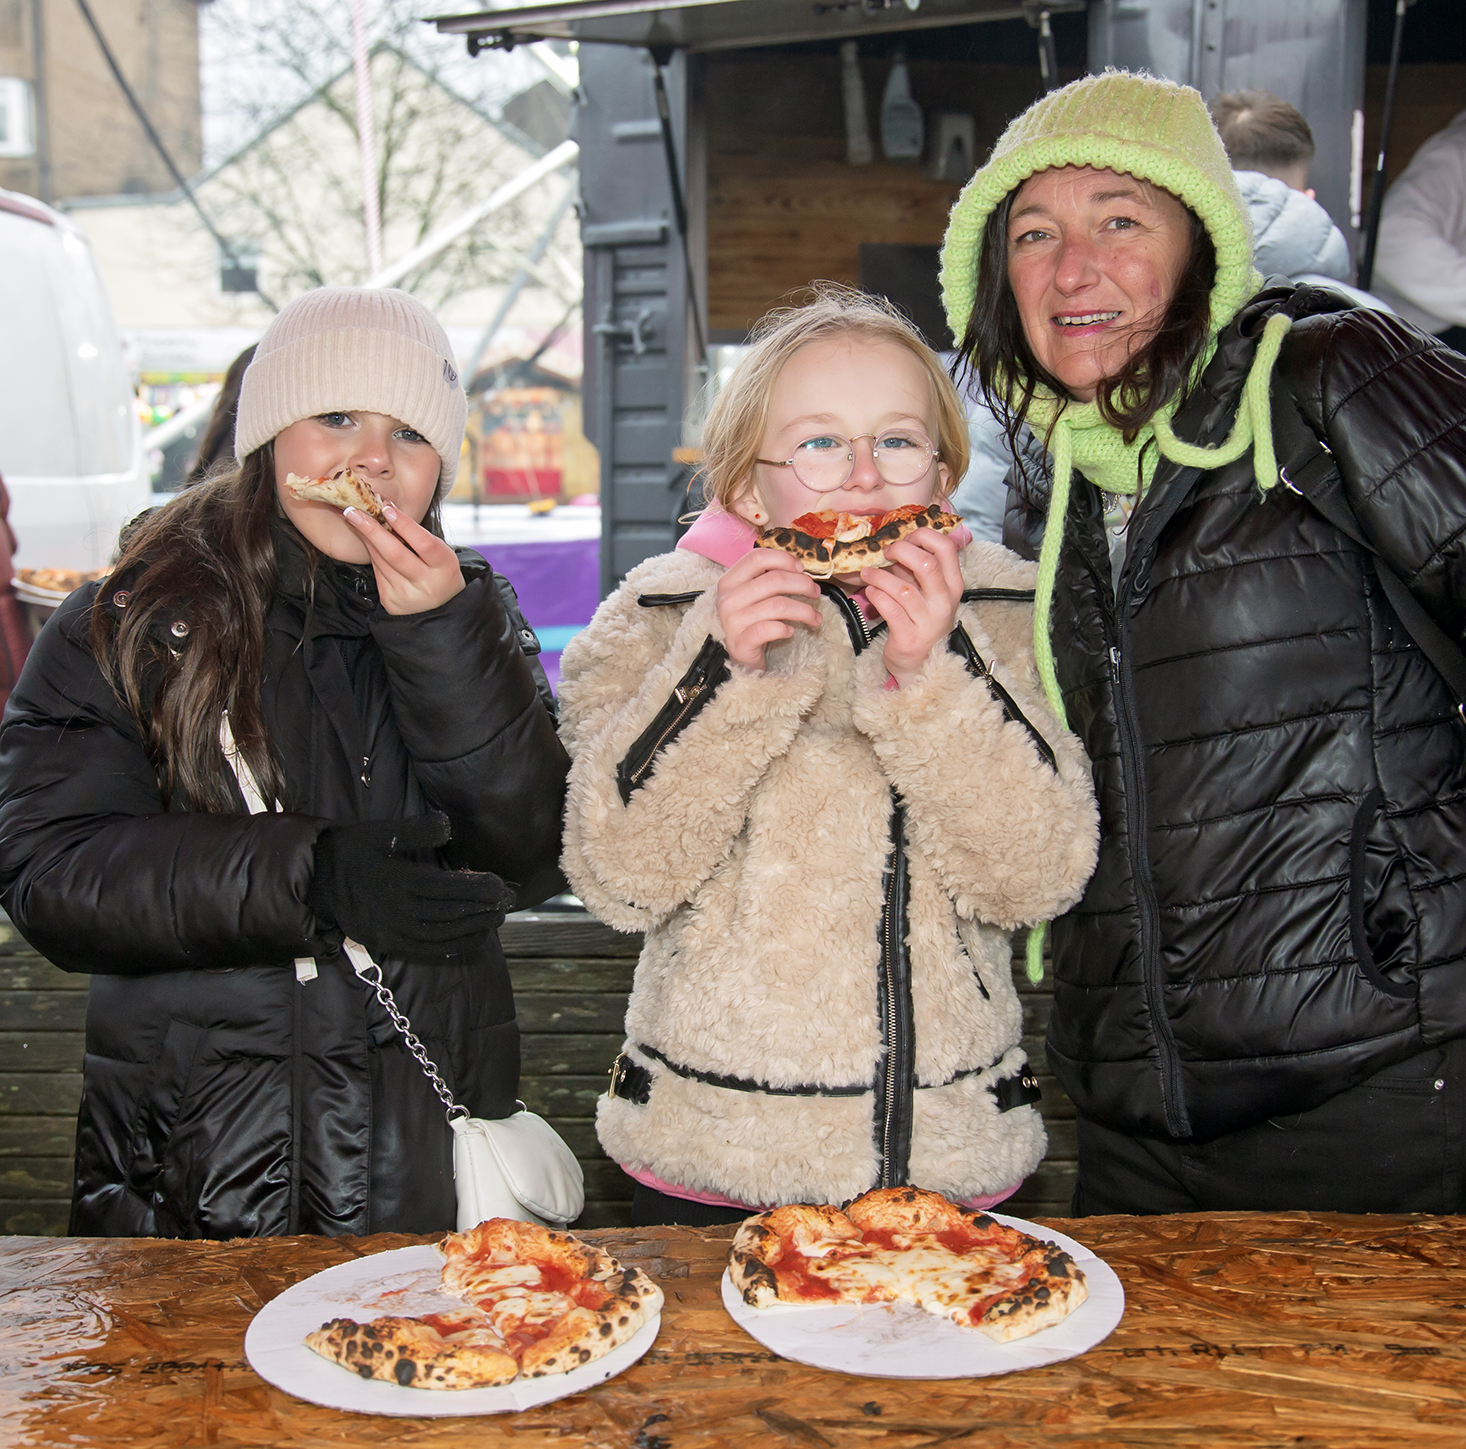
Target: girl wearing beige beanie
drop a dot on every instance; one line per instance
(273, 727)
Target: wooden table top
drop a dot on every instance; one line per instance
(1289, 1329)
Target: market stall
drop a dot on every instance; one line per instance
(1239, 1329)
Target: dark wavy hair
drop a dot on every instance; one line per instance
(995, 351)
(210, 553)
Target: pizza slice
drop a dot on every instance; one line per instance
(536, 1302)
(908, 1245)
(828, 543)
(437, 1351)
(556, 1301)
(342, 490)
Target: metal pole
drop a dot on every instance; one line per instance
(679, 204)
(43, 123)
(366, 139)
(517, 284)
(1377, 191)
(445, 236)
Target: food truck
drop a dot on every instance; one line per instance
(734, 150)
(70, 446)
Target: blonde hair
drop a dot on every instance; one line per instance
(734, 430)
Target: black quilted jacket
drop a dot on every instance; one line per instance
(1243, 694)
(222, 1096)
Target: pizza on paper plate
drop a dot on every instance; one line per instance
(828, 543)
(58, 581)
(904, 1244)
(537, 1302)
(343, 490)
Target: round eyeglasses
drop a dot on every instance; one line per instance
(825, 462)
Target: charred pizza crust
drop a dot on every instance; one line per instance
(418, 1354)
(522, 1318)
(823, 558)
(1049, 1285)
(480, 1263)
(345, 490)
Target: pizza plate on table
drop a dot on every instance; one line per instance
(405, 1281)
(901, 1341)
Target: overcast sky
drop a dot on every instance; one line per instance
(260, 57)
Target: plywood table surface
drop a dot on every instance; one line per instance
(1240, 1329)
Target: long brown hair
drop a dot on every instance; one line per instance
(208, 554)
(996, 351)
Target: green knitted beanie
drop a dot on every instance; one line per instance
(1117, 121)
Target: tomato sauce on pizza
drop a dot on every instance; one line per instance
(907, 1244)
(536, 1302)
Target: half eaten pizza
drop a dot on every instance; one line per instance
(342, 490)
(828, 543)
(536, 1302)
(904, 1244)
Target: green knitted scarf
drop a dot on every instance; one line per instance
(1078, 437)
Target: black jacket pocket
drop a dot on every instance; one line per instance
(692, 693)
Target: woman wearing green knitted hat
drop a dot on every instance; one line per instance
(1261, 1000)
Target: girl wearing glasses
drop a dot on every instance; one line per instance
(826, 804)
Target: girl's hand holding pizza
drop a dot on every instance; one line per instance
(760, 600)
(917, 597)
(416, 570)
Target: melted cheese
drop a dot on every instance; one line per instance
(518, 1310)
(918, 1270)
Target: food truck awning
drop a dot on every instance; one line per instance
(704, 25)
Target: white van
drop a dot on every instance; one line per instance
(70, 444)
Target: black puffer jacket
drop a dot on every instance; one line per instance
(223, 1097)
(1243, 693)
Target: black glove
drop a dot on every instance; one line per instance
(366, 888)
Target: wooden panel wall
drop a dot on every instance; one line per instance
(571, 977)
(42, 1016)
(785, 207)
(1427, 99)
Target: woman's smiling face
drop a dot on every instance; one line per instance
(1094, 258)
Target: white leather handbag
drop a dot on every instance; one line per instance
(512, 1167)
(509, 1167)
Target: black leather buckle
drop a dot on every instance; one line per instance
(1020, 1091)
(630, 1081)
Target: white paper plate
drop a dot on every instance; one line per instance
(403, 1282)
(34, 594)
(901, 1341)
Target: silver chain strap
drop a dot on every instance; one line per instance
(371, 973)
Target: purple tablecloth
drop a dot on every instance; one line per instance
(558, 584)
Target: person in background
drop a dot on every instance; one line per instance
(15, 631)
(1260, 1002)
(982, 495)
(1420, 263)
(217, 445)
(1271, 150)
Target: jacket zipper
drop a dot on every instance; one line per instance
(693, 691)
(1136, 828)
(894, 1078)
(686, 695)
(895, 988)
(297, 1087)
(862, 634)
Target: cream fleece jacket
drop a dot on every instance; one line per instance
(753, 857)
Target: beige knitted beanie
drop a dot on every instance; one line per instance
(351, 349)
(1117, 121)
